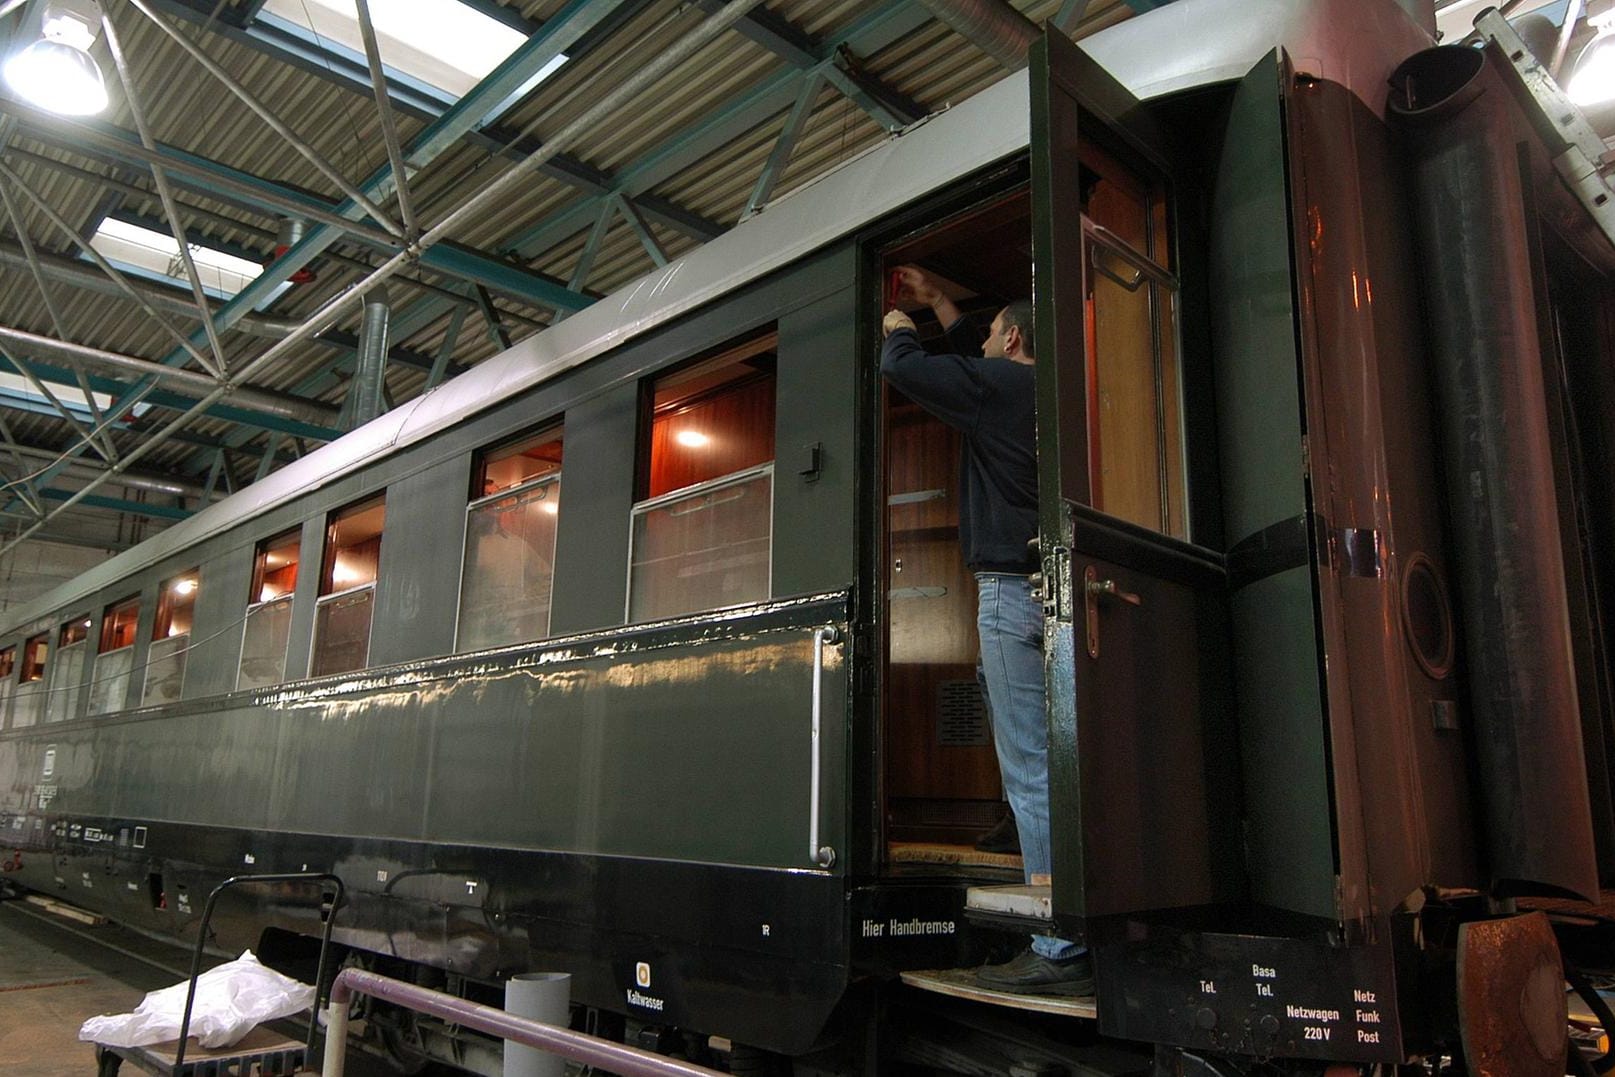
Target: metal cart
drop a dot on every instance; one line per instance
(262, 1051)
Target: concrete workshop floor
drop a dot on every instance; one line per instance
(55, 974)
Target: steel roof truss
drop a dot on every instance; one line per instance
(187, 348)
(275, 123)
(176, 225)
(665, 61)
(389, 125)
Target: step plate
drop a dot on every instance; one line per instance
(961, 983)
(1023, 901)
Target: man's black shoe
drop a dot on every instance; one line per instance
(1033, 974)
(1004, 837)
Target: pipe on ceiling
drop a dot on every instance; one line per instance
(993, 26)
(155, 483)
(82, 275)
(371, 366)
(185, 382)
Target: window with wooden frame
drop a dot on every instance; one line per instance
(347, 588)
(702, 530)
(269, 611)
(67, 671)
(508, 567)
(1135, 452)
(29, 700)
(115, 657)
(171, 639)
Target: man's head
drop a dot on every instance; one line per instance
(1011, 335)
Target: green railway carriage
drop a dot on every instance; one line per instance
(644, 650)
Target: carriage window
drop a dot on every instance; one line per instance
(8, 669)
(269, 611)
(115, 656)
(67, 672)
(347, 588)
(510, 544)
(1136, 415)
(170, 639)
(702, 533)
(30, 695)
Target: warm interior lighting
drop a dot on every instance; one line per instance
(551, 507)
(693, 439)
(342, 572)
(184, 587)
(1592, 79)
(57, 71)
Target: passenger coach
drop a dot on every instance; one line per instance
(644, 651)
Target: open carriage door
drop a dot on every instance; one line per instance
(1143, 779)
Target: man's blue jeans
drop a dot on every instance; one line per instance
(1010, 623)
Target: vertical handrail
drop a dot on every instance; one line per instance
(201, 941)
(822, 855)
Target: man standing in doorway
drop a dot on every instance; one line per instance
(990, 398)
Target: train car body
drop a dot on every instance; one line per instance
(1326, 562)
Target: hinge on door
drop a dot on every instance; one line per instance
(1054, 583)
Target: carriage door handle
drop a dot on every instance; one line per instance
(822, 855)
(1093, 589)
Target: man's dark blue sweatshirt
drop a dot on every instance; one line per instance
(993, 403)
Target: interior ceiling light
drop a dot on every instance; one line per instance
(1592, 80)
(57, 71)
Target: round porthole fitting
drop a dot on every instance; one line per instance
(1427, 617)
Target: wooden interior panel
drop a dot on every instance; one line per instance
(1126, 465)
(737, 423)
(932, 605)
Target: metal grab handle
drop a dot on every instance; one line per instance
(1108, 589)
(822, 855)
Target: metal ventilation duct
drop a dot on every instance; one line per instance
(368, 375)
(993, 26)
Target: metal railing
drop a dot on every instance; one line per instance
(577, 1046)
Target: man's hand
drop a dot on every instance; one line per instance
(918, 283)
(895, 320)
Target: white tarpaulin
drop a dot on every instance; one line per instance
(230, 1000)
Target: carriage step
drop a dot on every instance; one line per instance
(961, 983)
(1021, 907)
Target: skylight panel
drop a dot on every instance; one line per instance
(18, 387)
(157, 254)
(442, 43)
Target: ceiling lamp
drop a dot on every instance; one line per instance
(57, 72)
(1592, 80)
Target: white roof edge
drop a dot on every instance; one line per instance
(1355, 42)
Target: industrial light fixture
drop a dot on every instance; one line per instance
(1592, 80)
(57, 72)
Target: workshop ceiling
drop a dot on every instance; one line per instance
(791, 90)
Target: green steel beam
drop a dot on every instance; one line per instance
(119, 504)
